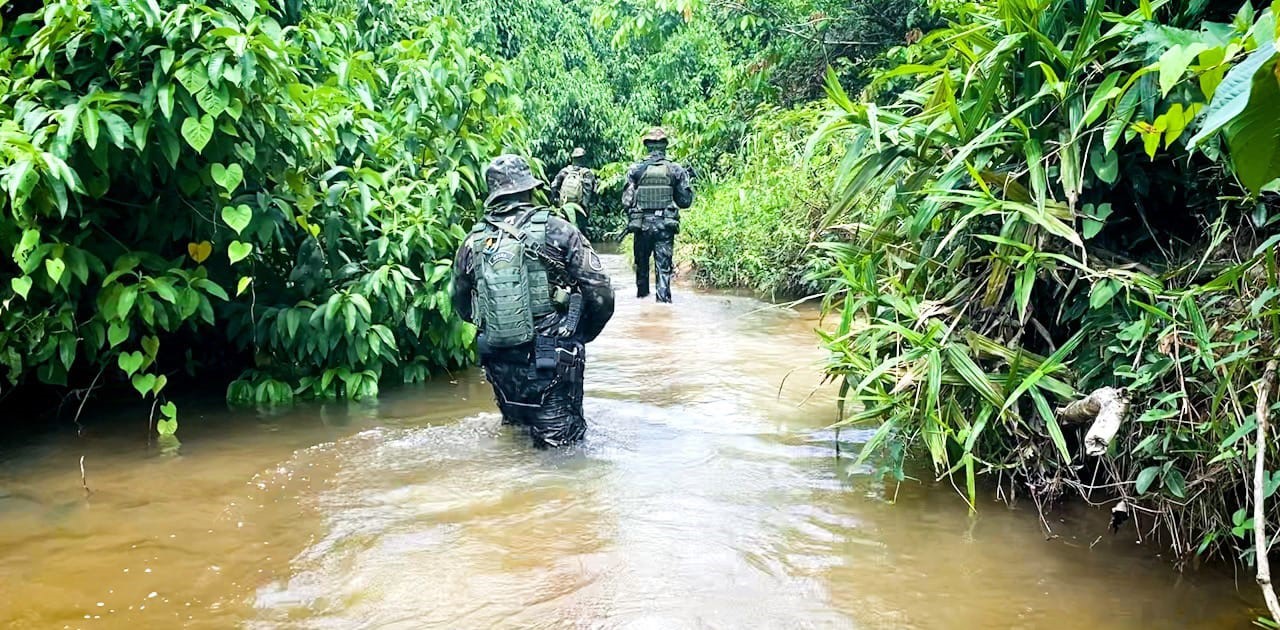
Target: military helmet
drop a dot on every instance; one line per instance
(507, 175)
(578, 152)
(657, 135)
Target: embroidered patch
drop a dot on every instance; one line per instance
(594, 262)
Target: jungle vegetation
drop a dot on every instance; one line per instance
(1005, 206)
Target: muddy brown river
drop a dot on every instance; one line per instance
(707, 495)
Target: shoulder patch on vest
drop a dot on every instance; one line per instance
(594, 262)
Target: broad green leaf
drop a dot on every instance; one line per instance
(21, 285)
(228, 177)
(117, 333)
(238, 217)
(246, 8)
(1233, 94)
(1175, 483)
(213, 100)
(238, 251)
(1106, 165)
(1254, 136)
(1174, 62)
(144, 383)
(167, 428)
(1103, 291)
(242, 285)
(194, 78)
(130, 362)
(55, 267)
(164, 97)
(151, 346)
(117, 128)
(198, 132)
(1146, 478)
(89, 126)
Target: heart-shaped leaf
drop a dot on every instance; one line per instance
(167, 428)
(237, 218)
(55, 267)
(144, 383)
(150, 345)
(21, 286)
(228, 177)
(161, 381)
(117, 332)
(194, 78)
(198, 132)
(238, 251)
(213, 100)
(169, 410)
(200, 252)
(244, 284)
(130, 362)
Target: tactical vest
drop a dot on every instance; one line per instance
(512, 289)
(573, 188)
(655, 191)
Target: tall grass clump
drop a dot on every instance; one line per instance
(1048, 202)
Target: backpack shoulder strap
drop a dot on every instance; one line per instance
(534, 246)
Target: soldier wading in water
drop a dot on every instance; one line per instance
(656, 190)
(537, 292)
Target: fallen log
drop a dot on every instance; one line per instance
(1106, 408)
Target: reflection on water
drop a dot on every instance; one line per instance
(707, 496)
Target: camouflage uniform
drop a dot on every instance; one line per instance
(580, 217)
(546, 402)
(655, 230)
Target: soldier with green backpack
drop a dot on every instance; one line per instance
(574, 188)
(655, 191)
(537, 292)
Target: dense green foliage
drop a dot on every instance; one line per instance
(1027, 216)
(200, 185)
(753, 224)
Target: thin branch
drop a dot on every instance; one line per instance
(1259, 498)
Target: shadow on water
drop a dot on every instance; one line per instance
(706, 495)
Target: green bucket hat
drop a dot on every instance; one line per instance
(507, 175)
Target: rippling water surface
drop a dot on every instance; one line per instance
(708, 495)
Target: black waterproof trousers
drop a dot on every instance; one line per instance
(660, 245)
(546, 403)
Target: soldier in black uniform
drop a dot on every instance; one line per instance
(655, 191)
(538, 383)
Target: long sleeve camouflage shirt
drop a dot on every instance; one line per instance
(583, 272)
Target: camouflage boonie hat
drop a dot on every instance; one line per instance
(657, 135)
(508, 175)
(578, 152)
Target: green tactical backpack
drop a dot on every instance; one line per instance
(654, 191)
(512, 289)
(573, 188)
